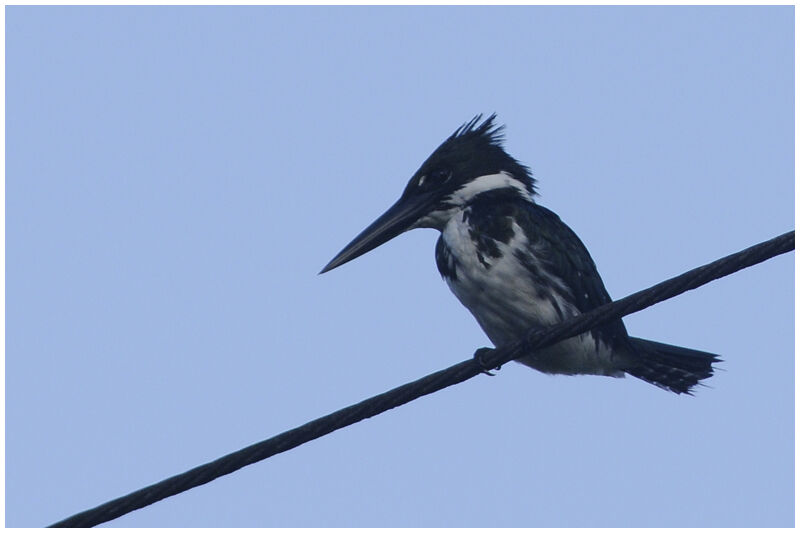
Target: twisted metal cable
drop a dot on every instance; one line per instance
(536, 338)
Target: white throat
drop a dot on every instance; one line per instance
(481, 184)
(462, 196)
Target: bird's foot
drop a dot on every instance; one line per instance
(480, 358)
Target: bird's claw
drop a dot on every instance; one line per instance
(479, 357)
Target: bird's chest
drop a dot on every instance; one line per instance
(508, 286)
(490, 273)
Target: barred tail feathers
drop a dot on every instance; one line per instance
(671, 367)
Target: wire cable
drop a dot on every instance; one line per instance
(536, 338)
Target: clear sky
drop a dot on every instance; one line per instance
(176, 177)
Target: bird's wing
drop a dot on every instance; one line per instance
(559, 250)
(562, 252)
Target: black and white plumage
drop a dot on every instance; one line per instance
(514, 264)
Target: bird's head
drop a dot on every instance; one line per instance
(470, 162)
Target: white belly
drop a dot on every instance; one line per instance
(501, 294)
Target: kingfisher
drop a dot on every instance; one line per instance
(515, 265)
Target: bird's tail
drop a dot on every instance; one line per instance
(670, 367)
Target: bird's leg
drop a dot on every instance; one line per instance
(480, 355)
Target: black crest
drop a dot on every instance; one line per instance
(476, 149)
(487, 131)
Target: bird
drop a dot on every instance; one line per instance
(515, 265)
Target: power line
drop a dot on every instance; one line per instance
(536, 338)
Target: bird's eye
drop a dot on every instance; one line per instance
(439, 176)
(434, 178)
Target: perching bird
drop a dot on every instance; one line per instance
(515, 265)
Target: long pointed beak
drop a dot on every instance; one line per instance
(397, 219)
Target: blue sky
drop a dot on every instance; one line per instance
(176, 177)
